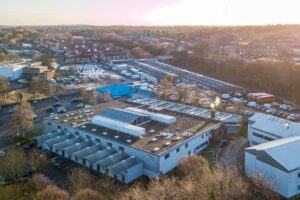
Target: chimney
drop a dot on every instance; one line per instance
(212, 113)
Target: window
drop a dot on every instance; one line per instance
(202, 136)
(262, 136)
(76, 132)
(49, 123)
(98, 140)
(109, 144)
(186, 145)
(299, 175)
(65, 129)
(203, 144)
(88, 137)
(121, 149)
(189, 152)
(59, 127)
(167, 156)
(177, 150)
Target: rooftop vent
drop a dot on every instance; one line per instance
(167, 143)
(188, 134)
(128, 141)
(177, 138)
(155, 149)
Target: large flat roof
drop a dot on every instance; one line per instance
(158, 136)
(274, 125)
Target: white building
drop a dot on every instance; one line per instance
(264, 128)
(278, 162)
(125, 142)
(12, 72)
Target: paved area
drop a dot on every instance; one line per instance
(6, 125)
(230, 154)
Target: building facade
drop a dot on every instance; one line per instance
(265, 128)
(125, 142)
(278, 162)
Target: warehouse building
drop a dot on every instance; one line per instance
(12, 72)
(125, 141)
(278, 162)
(264, 128)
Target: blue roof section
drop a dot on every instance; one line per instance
(116, 90)
(120, 115)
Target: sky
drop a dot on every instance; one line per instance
(149, 12)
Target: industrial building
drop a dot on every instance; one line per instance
(126, 140)
(264, 128)
(12, 72)
(278, 162)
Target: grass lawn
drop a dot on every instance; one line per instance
(210, 156)
(19, 140)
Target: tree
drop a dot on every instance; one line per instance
(79, 179)
(88, 194)
(40, 181)
(36, 162)
(38, 85)
(139, 52)
(22, 117)
(52, 192)
(94, 97)
(12, 166)
(106, 96)
(4, 83)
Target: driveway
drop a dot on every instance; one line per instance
(230, 155)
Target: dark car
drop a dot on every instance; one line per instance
(56, 105)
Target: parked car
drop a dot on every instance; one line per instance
(56, 105)
(60, 110)
(11, 109)
(2, 153)
(81, 105)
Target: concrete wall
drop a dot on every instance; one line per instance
(254, 140)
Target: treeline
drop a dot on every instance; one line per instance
(281, 78)
(194, 180)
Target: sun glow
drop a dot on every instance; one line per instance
(225, 12)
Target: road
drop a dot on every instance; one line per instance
(205, 81)
(229, 155)
(6, 126)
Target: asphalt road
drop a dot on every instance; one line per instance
(6, 126)
(205, 81)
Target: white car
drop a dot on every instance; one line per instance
(2, 153)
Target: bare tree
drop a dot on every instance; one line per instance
(52, 192)
(79, 179)
(22, 117)
(106, 96)
(4, 83)
(36, 162)
(88, 194)
(12, 166)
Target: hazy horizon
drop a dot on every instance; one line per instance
(149, 13)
